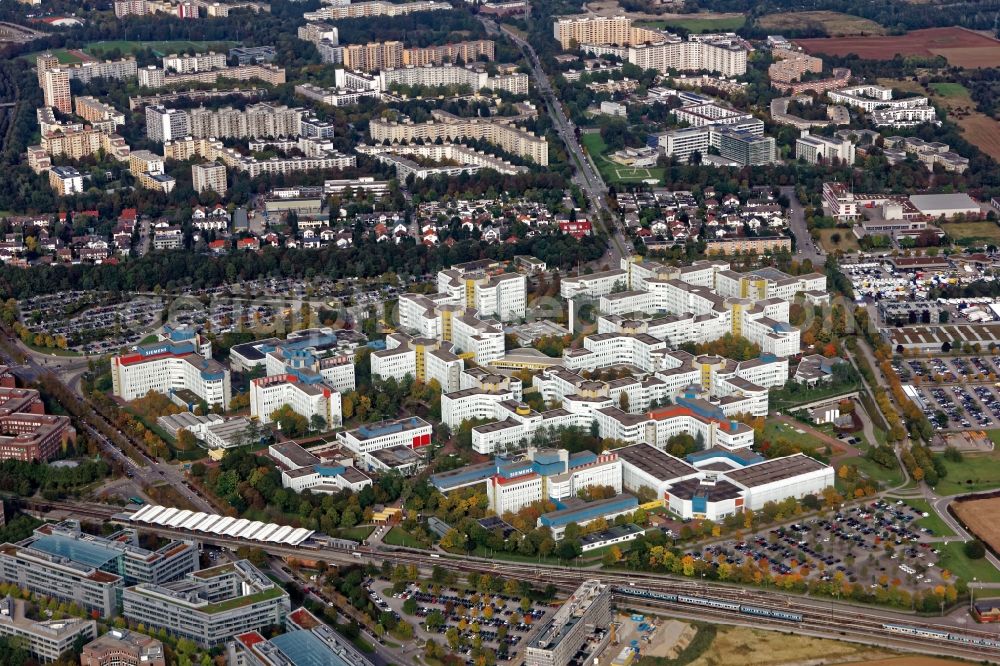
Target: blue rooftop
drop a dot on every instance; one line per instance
(303, 648)
(82, 552)
(380, 429)
(589, 511)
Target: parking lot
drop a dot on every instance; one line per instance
(503, 622)
(959, 393)
(855, 543)
(92, 322)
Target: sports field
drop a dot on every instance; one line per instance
(833, 24)
(612, 172)
(961, 47)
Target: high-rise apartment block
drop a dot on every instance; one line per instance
(374, 56)
(209, 176)
(55, 89)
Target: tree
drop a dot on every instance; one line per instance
(974, 550)
(290, 422)
(317, 423)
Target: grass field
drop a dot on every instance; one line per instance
(359, 533)
(163, 48)
(970, 233)
(725, 24)
(888, 477)
(947, 89)
(833, 24)
(777, 430)
(98, 49)
(954, 560)
(932, 521)
(397, 536)
(977, 471)
(615, 173)
(848, 241)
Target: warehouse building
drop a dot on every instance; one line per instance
(946, 205)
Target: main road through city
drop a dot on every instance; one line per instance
(586, 175)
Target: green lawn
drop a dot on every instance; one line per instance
(615, 173)
(954, 560)
(699, 24)
(977, 471)
(776, 430)
(932, 522)
(397, 536)
(945, 89)
(55, 351)
(874, 471)
(359, 533)
(98, 49)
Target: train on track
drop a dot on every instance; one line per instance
(747, 609)
(940, 635)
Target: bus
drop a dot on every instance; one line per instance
(137, 500)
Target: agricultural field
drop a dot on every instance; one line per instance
(982, 131)
(980, 517)
(973, 232)
(833, 24)
(724, 24)
(961, 47)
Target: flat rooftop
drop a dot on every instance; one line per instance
(777, 469)
(655, 462)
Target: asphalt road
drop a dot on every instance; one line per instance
(804, 246)
(153, 472)
(586, 175)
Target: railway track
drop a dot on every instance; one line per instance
(840, 627)
(818, 617)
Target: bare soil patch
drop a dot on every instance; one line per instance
(980, 515)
